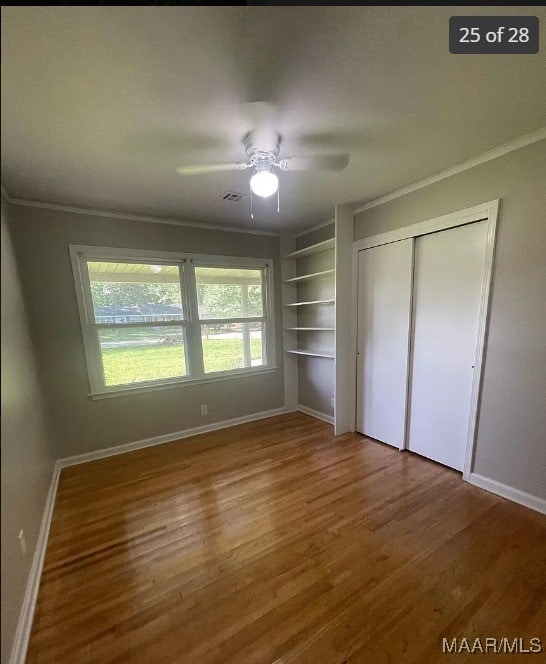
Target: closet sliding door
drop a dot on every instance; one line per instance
(384, 313)
(449, 273)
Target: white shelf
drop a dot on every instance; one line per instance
(301, 304)
(311, 329)
(313, 249)
(314, 275)
(313, 353)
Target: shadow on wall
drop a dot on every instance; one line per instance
(27, 452)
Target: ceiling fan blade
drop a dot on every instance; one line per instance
(201, 169)
(321, 162)
(364, 138)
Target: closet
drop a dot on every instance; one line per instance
(419, 307)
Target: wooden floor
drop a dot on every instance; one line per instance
(276, 542)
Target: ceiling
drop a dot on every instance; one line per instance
(101, 104)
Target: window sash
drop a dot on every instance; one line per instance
(88, 295)
(191, 323)
(263, 286)
(246, 348)
(153, 381)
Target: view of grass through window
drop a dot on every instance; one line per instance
(158, 357)
(137, 354)
(224, 348)
(126, 294)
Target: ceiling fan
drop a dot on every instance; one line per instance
(262, 146)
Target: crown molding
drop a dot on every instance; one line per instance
(521, 142)
(132, 217)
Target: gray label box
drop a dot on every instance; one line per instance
(493, 34)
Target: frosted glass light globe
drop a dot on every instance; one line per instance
(264, 183)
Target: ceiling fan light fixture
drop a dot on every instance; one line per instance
(264, 183)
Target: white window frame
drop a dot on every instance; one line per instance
(191, 324)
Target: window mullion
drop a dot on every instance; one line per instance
(247, 354)
(195, 346)
(268, 326)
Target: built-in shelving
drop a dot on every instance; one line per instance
(313, 275)
(310, 302)
(303, 280)
(313, 249)
(311, 329)
(313, 353)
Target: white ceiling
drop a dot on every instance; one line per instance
(101, 104)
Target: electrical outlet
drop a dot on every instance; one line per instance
(204, 409)
(22, 543)
(332, 402)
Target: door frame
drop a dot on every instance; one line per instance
(488, 212)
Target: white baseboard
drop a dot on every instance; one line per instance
(515, 495)
(167, 438)
(24, 625)
(315, 413)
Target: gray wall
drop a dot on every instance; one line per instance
(511, 440)
(316, 374)
(314, 237)
(41, 239)
(27, 454)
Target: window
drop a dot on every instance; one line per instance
(231, 313)
(152, 319)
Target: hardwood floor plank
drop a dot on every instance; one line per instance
(275, 541)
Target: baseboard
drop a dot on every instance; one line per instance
(316, 413)
(515, 495)
(24, 625)
(167, 438)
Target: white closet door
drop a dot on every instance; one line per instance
(384, 303)
(449, 270)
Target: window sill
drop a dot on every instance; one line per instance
(152, 387)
